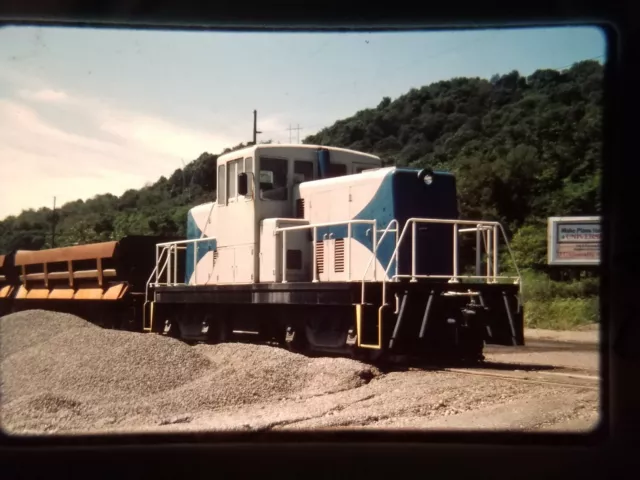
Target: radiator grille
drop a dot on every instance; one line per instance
(339, 257)
(320, 256)
(300, 208)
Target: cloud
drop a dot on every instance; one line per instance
(98, 148)
(44, 95)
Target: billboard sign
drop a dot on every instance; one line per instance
(573, 241)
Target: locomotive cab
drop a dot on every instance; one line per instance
(255, 185)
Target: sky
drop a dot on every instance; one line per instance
(91, 111)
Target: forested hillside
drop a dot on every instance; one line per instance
(523, 148)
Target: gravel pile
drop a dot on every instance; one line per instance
(242, 374)
(91, 363)
(22, 330)
(61, 373)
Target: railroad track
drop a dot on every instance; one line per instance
(557, 377)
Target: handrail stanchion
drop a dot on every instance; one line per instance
(454, 279)
(413, 251)
(397, 240)
(489, 254)
(157, 262)
(169, 263)
(478, 250)
(175, 264)
(284, 256)
(195, 263)
(495, 253)
(374, 236)
(315, 254)
(349, 251)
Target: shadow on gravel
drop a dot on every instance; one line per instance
(544, 346)
(423, 365)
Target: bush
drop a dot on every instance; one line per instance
(559, 305)
(561, 313)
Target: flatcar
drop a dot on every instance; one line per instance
(316, 248)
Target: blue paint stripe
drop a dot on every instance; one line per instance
(201, 248)
(379, 208)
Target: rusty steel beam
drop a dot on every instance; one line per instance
(92, 251)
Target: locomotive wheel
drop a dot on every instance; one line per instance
(219, 331)
(296, 339)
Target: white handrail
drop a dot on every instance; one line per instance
(314, 227)
(375, 249)
(491, 228)
(326, 224)
(154, 272)
(170, 264)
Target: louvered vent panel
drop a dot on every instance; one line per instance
(339, 257)
(300, 208)
(320, 256)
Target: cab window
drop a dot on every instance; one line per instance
(234, 167)
(222, 183)
(302, 171)
(273, 178)
(336, 170)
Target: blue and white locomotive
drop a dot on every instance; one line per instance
(324, 249)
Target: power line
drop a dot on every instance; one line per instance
(298, 128)
(584, 60)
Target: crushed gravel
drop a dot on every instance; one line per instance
(22, 330)
(61, 373)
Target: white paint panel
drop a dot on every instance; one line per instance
(224, 266)
(204, 270)
(243, 268)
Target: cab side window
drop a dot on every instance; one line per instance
(222, 183)
(274, 179)
(234, 167)
(302, 171)
(337, 170)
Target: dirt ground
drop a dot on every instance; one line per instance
(75, 377)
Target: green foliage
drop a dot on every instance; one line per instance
(562, 313)
(529, 248)
(538, 286)
(559, 305)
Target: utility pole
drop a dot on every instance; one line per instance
(255, 127)
(291, 130)
(53, 224)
